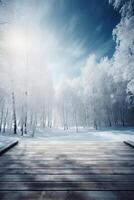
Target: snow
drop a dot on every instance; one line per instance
(59, 134)
(84, 134)
(5, 141)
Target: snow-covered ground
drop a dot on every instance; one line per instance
(58, 134)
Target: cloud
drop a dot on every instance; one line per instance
(99, 28)
(105, 48)
(63, 46)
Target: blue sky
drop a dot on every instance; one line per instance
(71, 30)
(91, 21)
(84, 26)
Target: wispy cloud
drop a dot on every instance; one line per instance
(66, 36)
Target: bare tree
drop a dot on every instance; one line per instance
(5, 121)
(14, 114)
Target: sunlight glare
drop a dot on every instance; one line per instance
(18, 42)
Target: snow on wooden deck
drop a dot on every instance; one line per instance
(6, 143)
(67, 170)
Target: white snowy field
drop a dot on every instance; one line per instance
(59, 134)
(87, 134)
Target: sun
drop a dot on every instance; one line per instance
(17, 41)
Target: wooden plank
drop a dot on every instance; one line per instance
(73, 150)
(69, 158)
(80, 147)
(64, 155)
(84, 147)
(67, 195)
(126, 148)
(69, 171)
(62, 186)
(99, 171)
(67, 164)
(65, 177)
(73, 155)
(78, 160)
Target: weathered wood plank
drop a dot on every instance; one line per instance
(69, 171)
(72, 155)
(97, 170)
(67, 164)
(65, 177)
(67, 195)
(72, 186)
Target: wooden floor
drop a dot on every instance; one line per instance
(70, 171)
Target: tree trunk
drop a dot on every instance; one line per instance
(5, 121)
(76, 123)
(1, 119)
(25, 118)
(14, 114)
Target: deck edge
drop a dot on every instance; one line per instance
(129, 143)
(8, 146)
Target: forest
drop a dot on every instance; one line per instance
(102, 95)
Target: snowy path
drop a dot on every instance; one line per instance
(87, 135)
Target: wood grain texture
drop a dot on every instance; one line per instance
(77, 170)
